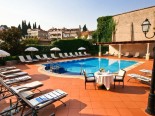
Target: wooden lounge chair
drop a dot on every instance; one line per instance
(41, 101)
(54, 57)
(136, 55)
(30, 59)
(71, 54)
(22, 59)
(61, 56)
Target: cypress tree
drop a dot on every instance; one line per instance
(19, 27)
(29, 26)
(35, 25)
(39, 27)
(84, 28)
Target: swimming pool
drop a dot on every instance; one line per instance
(92, 65)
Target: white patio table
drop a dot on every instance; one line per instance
(104, 78)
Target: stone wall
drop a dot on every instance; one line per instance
(128, 26)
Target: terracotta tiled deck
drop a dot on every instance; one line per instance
(128, 101)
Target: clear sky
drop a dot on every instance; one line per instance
(64, 13)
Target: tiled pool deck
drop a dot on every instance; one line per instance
(128, 101)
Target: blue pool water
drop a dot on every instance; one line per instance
(92, 65)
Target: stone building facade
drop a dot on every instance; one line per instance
(128, 28)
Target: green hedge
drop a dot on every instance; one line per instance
(72, 45)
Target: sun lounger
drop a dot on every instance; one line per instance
(136, 55)
(106, 54)
(30, 59)
(28, 86)
(112, 54)
(7, 68)
(61, 56)
(66, 55)
(22, 59)
(42, 101)
(54, 57)
(10, 71)
(71, 54)
(39, 58)
(17, 79)
(12, 75)
(85, 53)
(76, 54)
(139, 77)
(146, 72)
(45, 57)
(80, 54)
(8, 92)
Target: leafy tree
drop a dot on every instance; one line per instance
(94, 36)
(31, 41)
(11, 38)
(85, 28)
(105, 28)
(4, 26)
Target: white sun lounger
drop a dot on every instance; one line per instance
(30, 59)
(28, 86)
(71, 54)
(45, 57)
(66, 55)
(136, 55)
(61, 56)
(39, 58)
(54, 57)
(42, 101)
(12, 75)
(139, 77)
(10, 71)
(17, 79)
(80, 54)
(7, 68)
(127, 54)
(22, 59)
(77, 54)
(85, 53)
(25, 94)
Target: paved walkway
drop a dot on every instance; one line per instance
(128, 101)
